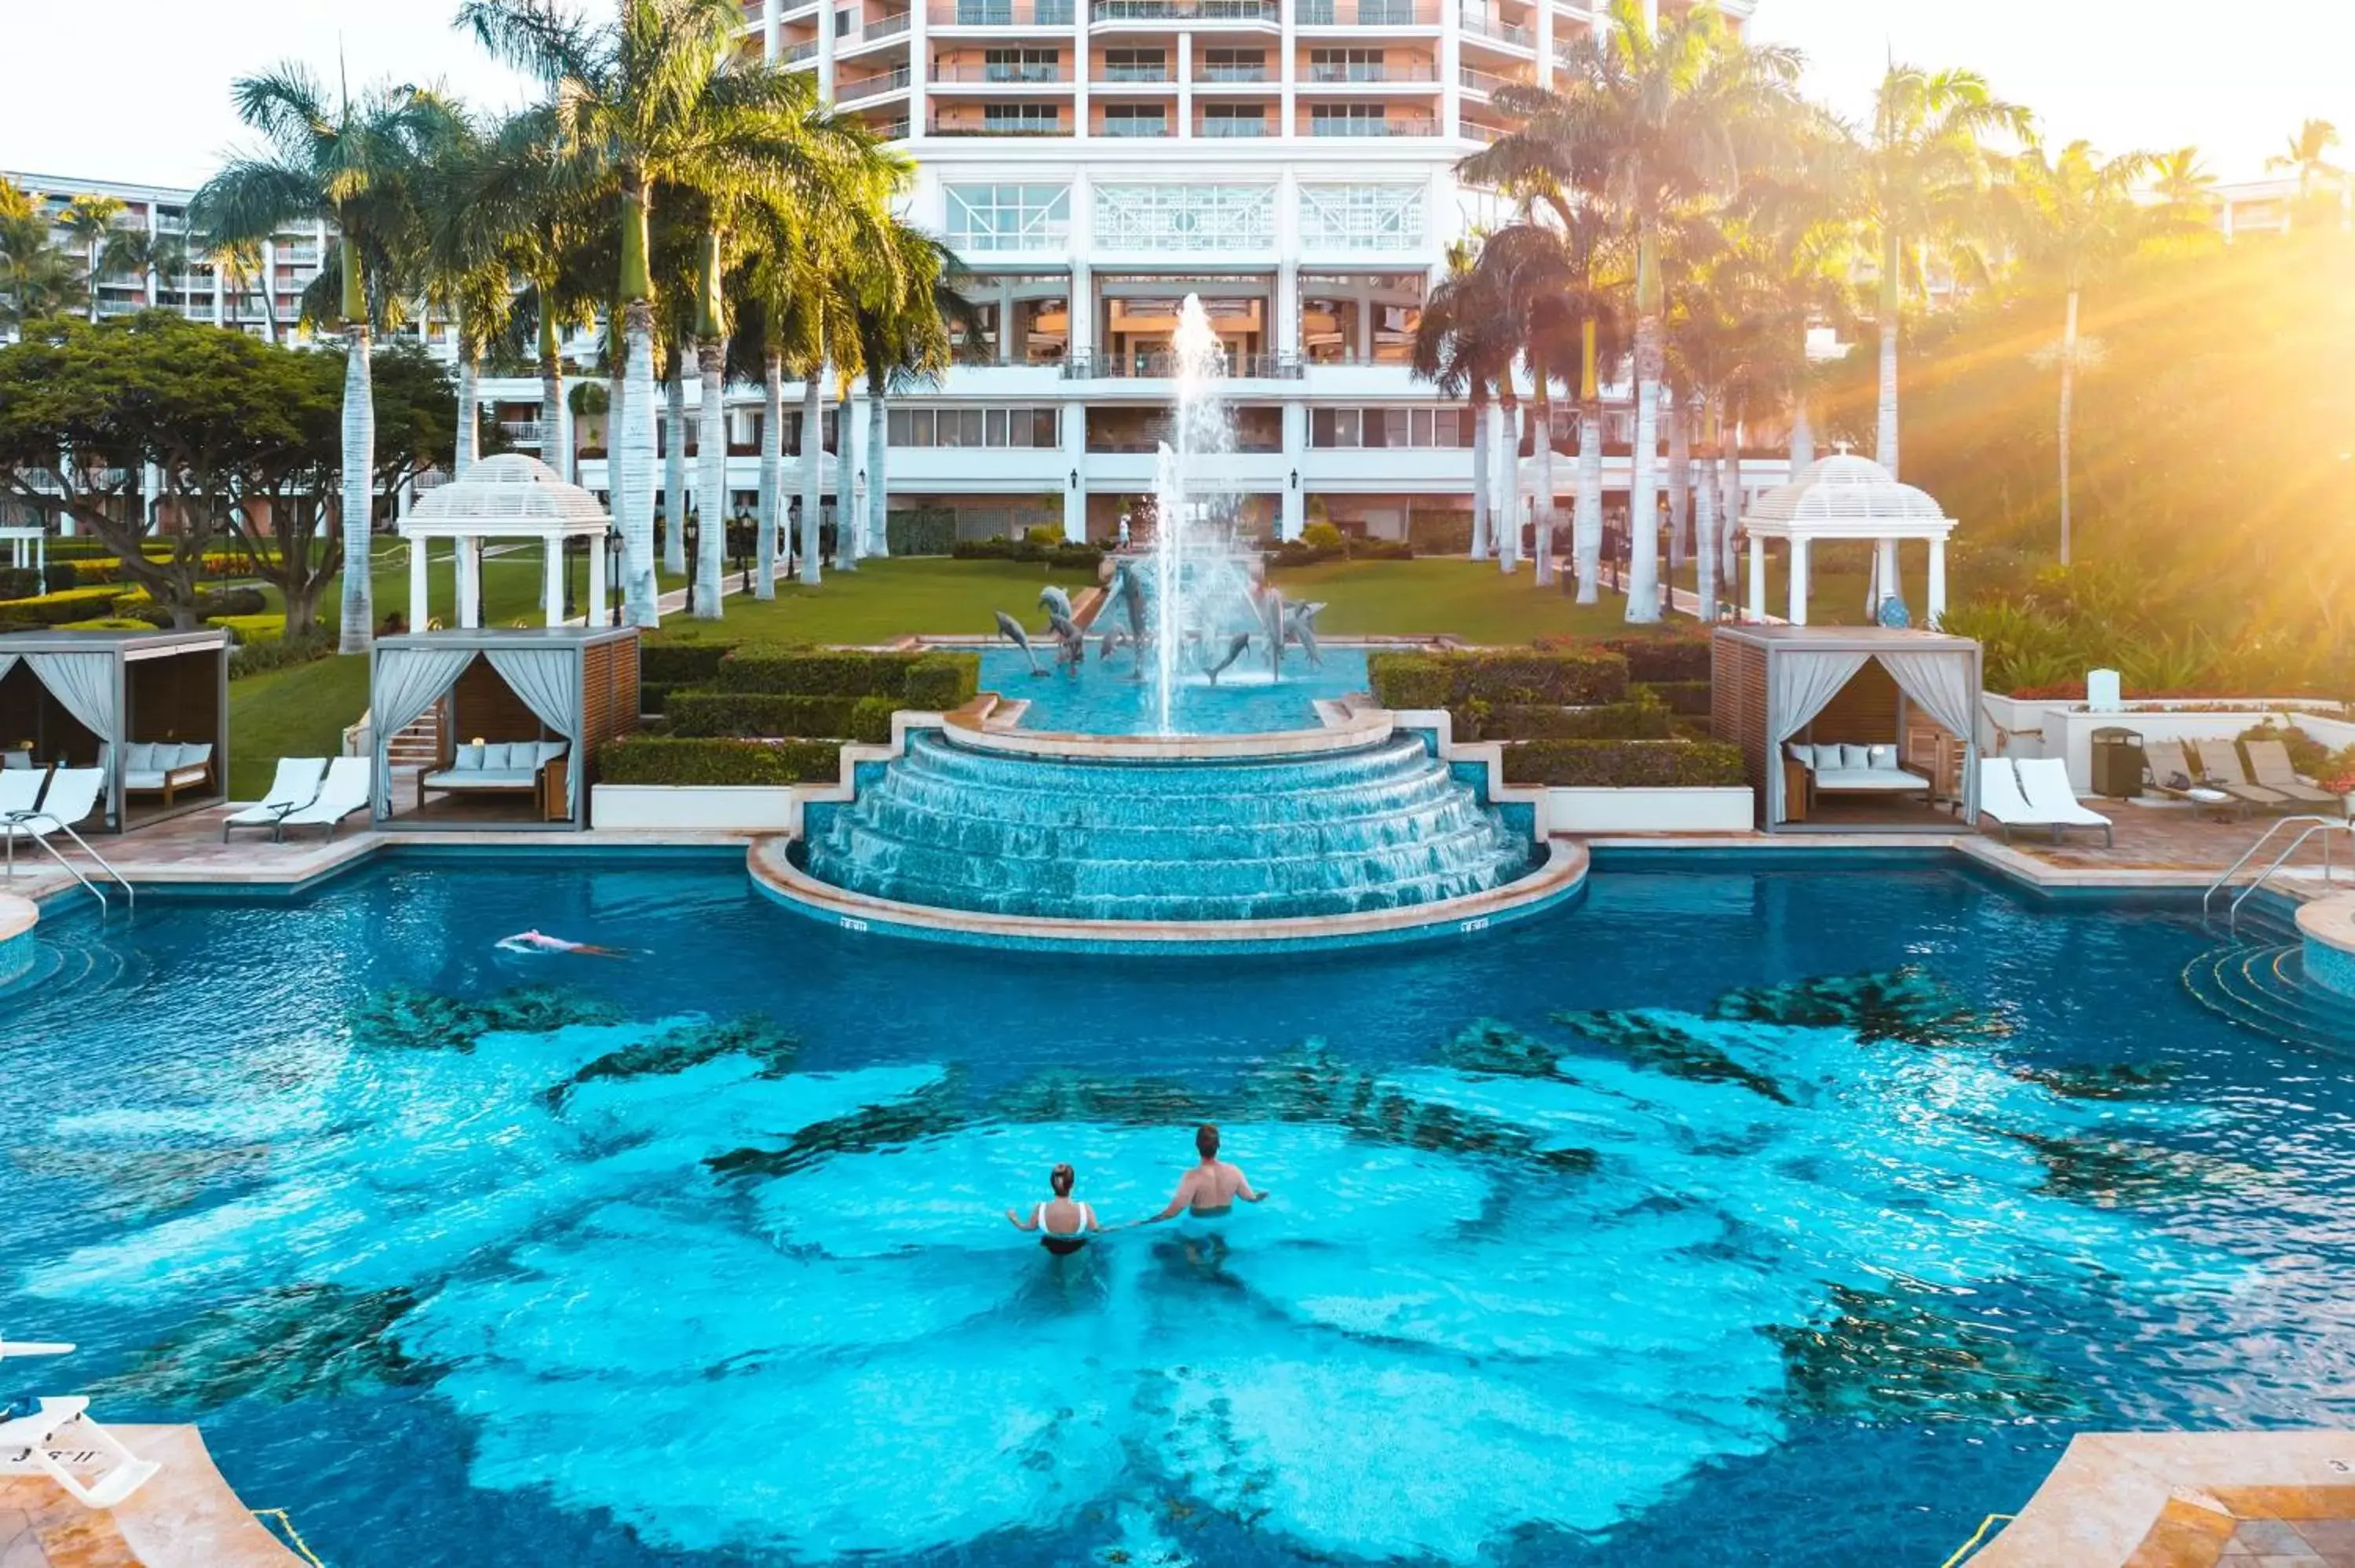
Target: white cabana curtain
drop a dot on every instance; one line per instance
(1799, 686)
(407, 681)
(84, 684)
(8, 663)
(1940, 685)
(543, 678)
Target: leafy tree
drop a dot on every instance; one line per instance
(91, 219)
(37, 278)
(1464, 346)
(2308, 153)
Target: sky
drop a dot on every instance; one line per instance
(2149, 74)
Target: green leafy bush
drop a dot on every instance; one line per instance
(1380, 550)
(1624, 764)
(57, 609)
(1497, 677)
(259, 658)
(667, 760)
(1323, 536)
(770, 715)
(1689, 698)
(920, 530)
(1613, 720)
(681, 663)
(1439, 533)
(139, 605)
(1682, 657)
(1295, 553)
(251, 630)
(19, 582)
(919, 680)
(2307, 755)
(939, 682)
(1064, 558)
(1046, 535)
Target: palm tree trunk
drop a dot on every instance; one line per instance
(1505, 528)
(1803, 434)
(358, 630)
(1586, 519)
(634, 452)
(1885, 451)
(712, 484)
(1704, 518)
(813, 453)
(2068, 403)
(879, 513)
(1542, 415)
(554, 422)
(1681, 484)
(849, 543)
(1480, 475)
(1643, 486)
(465, 444)
(773, 472)
(1729, 510)
(674, 448)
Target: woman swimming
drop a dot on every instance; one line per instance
(1062, 1223)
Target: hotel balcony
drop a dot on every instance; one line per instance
(1397, 70)
(1034, 15)
(1115, 14)
(1260, 121)
(1366, 14)
(1488, 26)
(1160, 365)
(873, 30)
(858, 90)
(1482, 83)
(1153, 125)
(1132, 75)
(1234, 76)
(1366, 125)
(966, 121)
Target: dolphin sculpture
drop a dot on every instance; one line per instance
(1056, 602)
(1300, 626)
(1070, 642)
(1011, 630)
(1236, 646)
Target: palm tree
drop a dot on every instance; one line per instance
(91, 220)
(2179, 180)
(1920, 177)
(1675, 110)
(37, 278)
(146, 258)
(351, 164)
(238, 264)
(2074, 217)
(907, 337)
(2310, 153)
(1544, 274)
(467, 264)
(775, 325)
(661, 100)
(1464, 346)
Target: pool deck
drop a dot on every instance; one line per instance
(185, 1516)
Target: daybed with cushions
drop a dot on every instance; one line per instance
(165, 768)
(1846, 769)
(534, 766)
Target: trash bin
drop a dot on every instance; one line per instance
(2117, 763)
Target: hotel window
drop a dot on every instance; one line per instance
(1345, 119)
(1021, 65)
(1022, 119)
(1417, 428)
(1136, 65)
(1002, 428)
(1136, 120)
(1345, 65)
(1009, 216)
(1233, 120)
(1233, 65)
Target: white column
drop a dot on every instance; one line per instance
(1295, 517)
(594, 609)
(1082, 245)
(469, 577)
(1798, 609)
(1075, 465)
(420, 601)
(1757, 580)
(1884, 572)
(1285, 337)
(1186, 85)
(825, 61)
(552, 579)
(771, 30)
(1451, 69)
(1937, 604)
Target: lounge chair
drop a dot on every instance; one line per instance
(2178, 779)
(295, 786)
(2221, 763)
(61, 1432)
(2269, 761)
(164, 767)
(72, 795)
(2044, 781)
(345, 791)
(2000, 799)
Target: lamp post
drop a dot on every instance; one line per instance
(614, 575)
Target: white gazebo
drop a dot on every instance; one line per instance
(506, 497)
(28, 544)
(1846, 497)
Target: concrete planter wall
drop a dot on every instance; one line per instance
(702, 808)
(2048, 727)
(1662, 811)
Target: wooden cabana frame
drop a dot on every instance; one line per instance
(1772, 687)
(523, 685)
(95, 698)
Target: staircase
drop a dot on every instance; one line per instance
(420, 745)
(2257, 980)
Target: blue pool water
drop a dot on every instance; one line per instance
(1790, 1217)
(1103, 699)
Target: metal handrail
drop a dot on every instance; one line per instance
(26, 819)
(2324, 825)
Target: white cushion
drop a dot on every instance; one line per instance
(1804, 755)
(1855, 757)
(195, 754)
(549, 750)
(149, 781)
(139, 756)
(469, 756)
(494, 756)
(1881, 756)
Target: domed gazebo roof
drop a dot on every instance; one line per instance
(1845, 496)
(510, 495)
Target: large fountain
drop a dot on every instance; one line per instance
(1161, 828)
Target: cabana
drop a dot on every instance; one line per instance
(150, 707)
(1846, 497)
(517, 715)
(1897, 707)
(505, 497)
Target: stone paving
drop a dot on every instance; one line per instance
(185, 1516)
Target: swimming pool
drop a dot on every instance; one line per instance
(1788, 1216)
(1102, 700)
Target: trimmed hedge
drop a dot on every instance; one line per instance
(680, 663)
(1613, 721)
(920, 530)
(1659, 660)
(666, 760)
(759, 716)
(1500, 677)
(260, 658)
(1690, 698)
(929, 680)
(56, 608)
(251, 630)
(1073, 557)
(1626, 764)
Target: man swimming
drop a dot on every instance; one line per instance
(1062, 1221)
(539, 942)
(1208, 1190)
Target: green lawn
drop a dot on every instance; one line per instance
(296, 712)
(1469, 599)
(881, 601)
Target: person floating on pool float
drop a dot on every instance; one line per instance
(539, 942)
(1208, 1190)
(1064, 1221)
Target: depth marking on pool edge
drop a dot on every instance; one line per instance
(1466, 928)
(851, 923)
